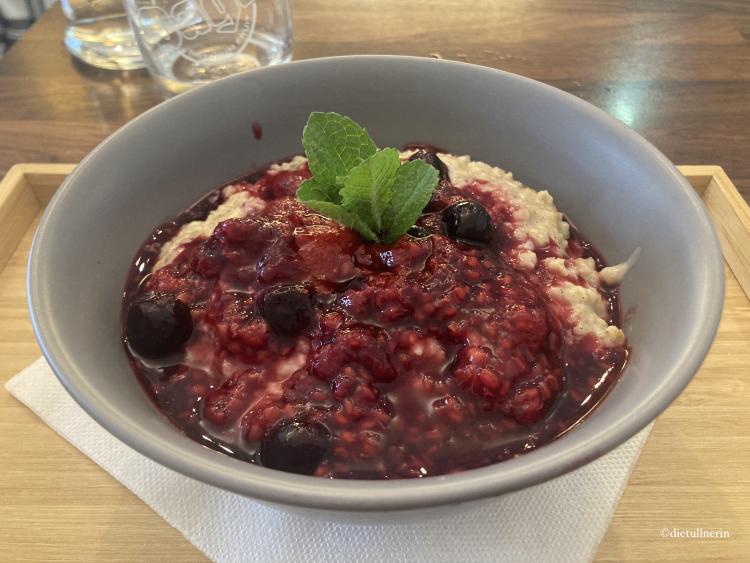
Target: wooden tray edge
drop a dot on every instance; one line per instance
(731, 215)
(27, 188)
(24, 191)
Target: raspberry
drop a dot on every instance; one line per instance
(226, 404)
(478, 369)
(359, 349)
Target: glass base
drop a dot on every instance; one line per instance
(179, 66)
(171, 87)
(104, 43)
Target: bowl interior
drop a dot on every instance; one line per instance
(617, 188)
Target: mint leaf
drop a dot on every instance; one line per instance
(368, 189)
(334, 144)
(312, 190)
(361, 187)
(412, 189)
(338, 213)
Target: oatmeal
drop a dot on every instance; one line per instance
(487, 330)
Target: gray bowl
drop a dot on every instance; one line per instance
(615, 186)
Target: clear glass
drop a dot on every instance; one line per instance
(99, 34)
(191, 42)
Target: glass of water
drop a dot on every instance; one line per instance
(191, 42)
(100, 35)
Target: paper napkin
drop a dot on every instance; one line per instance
(560, 520)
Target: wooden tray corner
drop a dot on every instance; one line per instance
(678, 481)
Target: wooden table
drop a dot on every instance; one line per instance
(676, 71)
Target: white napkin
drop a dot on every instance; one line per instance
(560, 520)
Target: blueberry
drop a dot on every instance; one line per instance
(418, 232)
(432, 159)
(157, 325)
(295, 446)
(467, 221)
(287, 309)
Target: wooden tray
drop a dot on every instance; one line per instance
(692, 473)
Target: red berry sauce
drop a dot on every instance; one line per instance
(425, 357)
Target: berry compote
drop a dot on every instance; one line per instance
(307, 349)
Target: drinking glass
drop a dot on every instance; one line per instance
(191, 42)
(99, 34)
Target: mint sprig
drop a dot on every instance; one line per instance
(359, 186)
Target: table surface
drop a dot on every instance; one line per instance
(678, 72)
